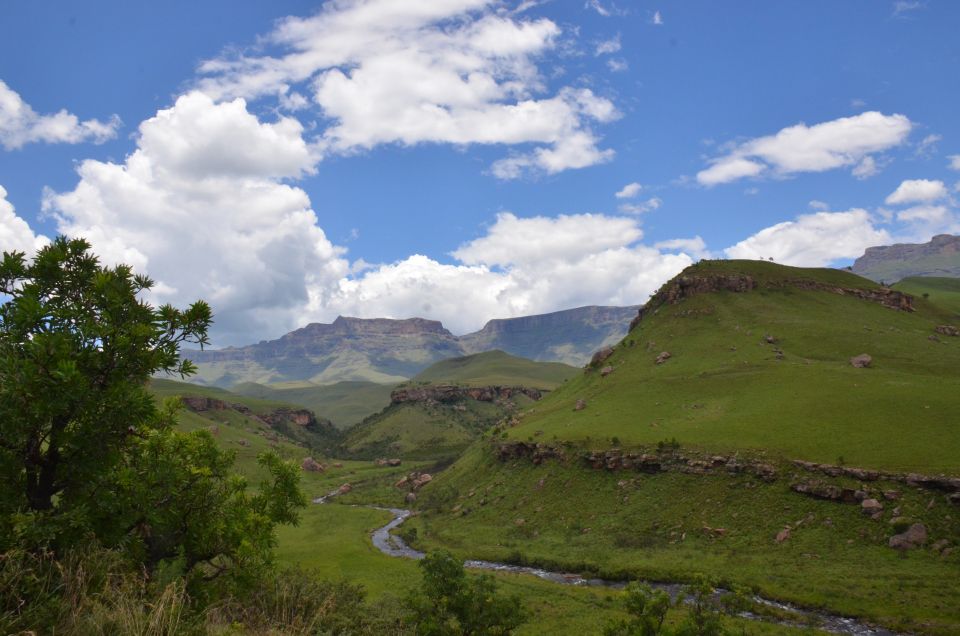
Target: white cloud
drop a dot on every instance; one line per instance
(901, 8)
(629, 191)
(813, 240)
(199, 206)
(928, 145)
(925, 214)
(608, 46)
(15, 233)
(917, 191)
(521, 266)
(843, 142)
(819, 206)
(20, 124)
(657, 18)
(694, 246)
(651, 204)
(397, 72)
(618, 65)
(866, 168)
(954, 162)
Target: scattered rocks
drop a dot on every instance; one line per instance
(580, 405)
(386, 462)
(421, 481)
(821, 490)
(915, 535)
(311, 465)
(891, 495)
(861, 361)
(940, 545)
(948, 330)
(663, 357)
(713, 532)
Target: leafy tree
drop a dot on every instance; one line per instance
(452, 603)
(705, 617)
(648, 609)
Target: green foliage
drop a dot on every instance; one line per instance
(452, 603)
(76, 349)
(704, 618)
(647, 608)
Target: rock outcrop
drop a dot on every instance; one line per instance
(452, 393)
(889, 263)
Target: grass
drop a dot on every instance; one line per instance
(944, 292)
(493, 368)
(343, 403)
(629, 525)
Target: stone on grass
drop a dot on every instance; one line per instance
(914, 536)
(663, 357)
(871, 506)
(861, 361)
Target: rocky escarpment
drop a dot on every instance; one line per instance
(446, 393)
(298, 424)
(890, 263)
(688, 285)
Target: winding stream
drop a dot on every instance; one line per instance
(394, 546)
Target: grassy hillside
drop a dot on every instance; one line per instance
(728, 390)
(725, 387)
(941, 291)
(497, 368)
(343, 403)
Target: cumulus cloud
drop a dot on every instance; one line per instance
(397, 72)
(813, 240)
(20, 124)
(521, 266)
(954, 162)
(694, 246)
(917, 191)
(840, 143)
(651, 204)
(629, 191)
(199, 205)
(15, 233)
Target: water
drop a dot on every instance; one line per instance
(394, 546)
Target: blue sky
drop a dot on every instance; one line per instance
(462, 159)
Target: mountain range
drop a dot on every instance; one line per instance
(389, 351)
(890, 263)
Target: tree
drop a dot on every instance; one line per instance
(77, 347)
(648, 609)
(452, 603)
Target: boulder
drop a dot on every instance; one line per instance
(580, 405)
(914, 536)
(663, 357)
(311, 465)
(861, 361)
(601, 356)
(411, 497)
(948, 330)
(393, 462)
(871, 506)
(344, 489)
(783, 535)
(421, 481)
(605, 371)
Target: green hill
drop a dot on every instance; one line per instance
(496, 368)
(941, 291)
(687, 466)
(343, 403)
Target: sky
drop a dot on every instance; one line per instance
(463, 160)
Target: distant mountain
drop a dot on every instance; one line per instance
(890, 263)
(570, 336)
(390, 351)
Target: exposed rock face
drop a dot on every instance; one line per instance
(201, 404)
(452, 393)
(915, 535)
(861, 361)
(890, 263)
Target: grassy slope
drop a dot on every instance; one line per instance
(944, 292)
(497, 368)
(343, 403)
(724, 388)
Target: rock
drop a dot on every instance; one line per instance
(783, 535)
(243, 442)
(940, 545)
(411, 497)
(311, 465)
(861, 361)
(337, 465)
(871, 506)
(769, 339)
(403, 481)
(393, 462)
(663, 357)
(421, 481)
(580, 405)
(605, 371)
(891, 495)
(914, 536)
(344, 489)
(601, 356)
(948, 330)
(933, 338)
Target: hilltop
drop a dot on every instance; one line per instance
(890, 263)
(389, 351)
(496, 368)
(343, 403)
(731, 434)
